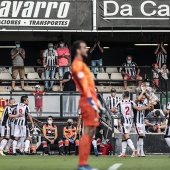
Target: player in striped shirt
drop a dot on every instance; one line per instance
(167, 130)
(5, 128)
(125, 108)
(140, 123)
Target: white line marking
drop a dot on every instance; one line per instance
(114, 167)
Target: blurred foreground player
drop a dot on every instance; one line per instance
(88, 103)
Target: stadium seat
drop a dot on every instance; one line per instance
(18, 78)
(10, 70)
(116, 76)
(29, 70)
(111, 70)
(5, 76)
(102, 76)
(33, 76)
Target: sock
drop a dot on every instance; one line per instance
(138, 147)
(3, 143)
(20, 142)
(141, 144)
(124, 146)
(14, 145)
(130, 143)
(8, 145)
(167, 141)
(84, 149)
(27, 145)
(94, 142)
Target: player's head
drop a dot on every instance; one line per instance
(11, 101)
(70, 122)
(50, 120)
(157, 113)
(24, 99)
(143, 97)
(113, 92)
(79, 48)
(125, 94)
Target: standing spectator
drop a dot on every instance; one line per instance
(40, 69)
(96, 52)
(155, 72)
(155, 122)
(161, 54)
(130, 71)
(70, 136)
(38, 99)
(63, 56)
(165, 73)
(69, 85)
(60, 37)
(18, 56)
(50, 64)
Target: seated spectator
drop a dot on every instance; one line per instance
(165, 72)
(70, 136)
(63, 56)
(161, 54)
(155, 72)
(130, 71)
(38, 100)
(96, 52)
(155, 122)
(40, 70)
(18, 56)
(50, 136)
(50, 64)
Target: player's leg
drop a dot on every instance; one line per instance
(124, 146)
(77, 142)
(60, 145)
(27, 141)
(66, 146)
(44, 145)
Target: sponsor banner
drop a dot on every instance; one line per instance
(46, 14)
(133, 13)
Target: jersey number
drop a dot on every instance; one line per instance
(127, 110)
(20, 111)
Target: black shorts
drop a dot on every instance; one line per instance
(45, 140)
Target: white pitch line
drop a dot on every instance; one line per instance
(114, 167)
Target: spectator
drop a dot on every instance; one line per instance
(165, 72)
(161, 54)
(38, 99)
(40, 69)
(63, 56)
(18, 56)
(70, 136)
(155, 122)
(96, 52)
(50, 136)
(130, 71)
(50, 64)
(60, 37)
(155, 72)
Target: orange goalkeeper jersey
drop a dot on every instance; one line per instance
(83, 79)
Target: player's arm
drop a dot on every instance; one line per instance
(141, 108)
(56, 134)
(148, 123)
(31, 120)
(75, 135)
(79, 123)
(44, 134)
(64, 134)
(37, 120)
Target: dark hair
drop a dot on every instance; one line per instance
(157, 112)
(11, 100)
(126, 94)
(24, 98)
(164, 64)
(144, 94)
(75, 46)
(50, 117)
(129, 56)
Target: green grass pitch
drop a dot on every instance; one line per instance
(161, 162)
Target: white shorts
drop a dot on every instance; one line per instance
(5, 131)
(19, 131)
(140, 128)
(167, 130)
(125, 128)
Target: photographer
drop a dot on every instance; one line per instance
(18, 56)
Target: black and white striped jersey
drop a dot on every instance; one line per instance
(125, 108)
(139, 115)
(112, 101)
(130, 69)
(22, 109)
(161, 58)
(50, 59)
(5, 115)
(13, 111)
